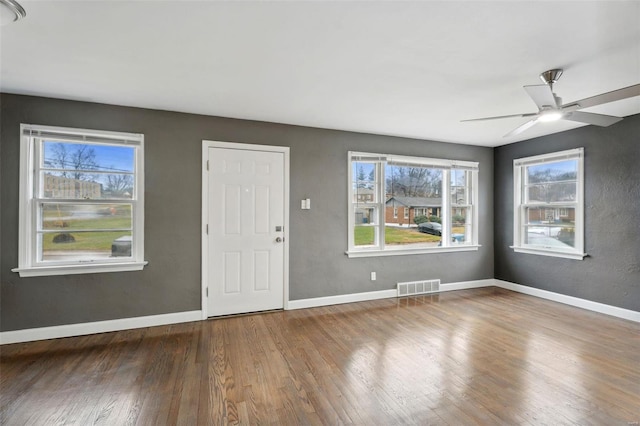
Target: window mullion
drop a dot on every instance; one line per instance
(579, 209)
(35, 244)
(473, 199)
(445, 215)
(517, 203)
(381, 176)
(352, 204)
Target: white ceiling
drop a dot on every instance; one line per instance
(412, 69)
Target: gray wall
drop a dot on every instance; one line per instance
(611, 273)
(171, 281)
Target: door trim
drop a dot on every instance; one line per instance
(206, 144)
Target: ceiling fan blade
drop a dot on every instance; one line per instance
(616, 95)
(591, 118)
(502, 116)
(570, 107)
(521, 128)
(542, 95)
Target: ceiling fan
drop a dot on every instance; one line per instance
(550, 107)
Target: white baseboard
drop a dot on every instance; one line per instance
(340, 299)
(464, 285)
(33, 334)
(570, 300)
(42, 333)
(374, 295)
(544, 294)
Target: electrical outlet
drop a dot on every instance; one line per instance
(373, 276)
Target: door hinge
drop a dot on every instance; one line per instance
(207, 164)
(207, 225)
(207, 290)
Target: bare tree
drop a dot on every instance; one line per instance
(118, 184)
(75, 162)
(551, 185)
(414, 181)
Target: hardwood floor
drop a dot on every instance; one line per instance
(483, 356)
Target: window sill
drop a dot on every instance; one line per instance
(40, 271)
(402, 252)
(551, 253)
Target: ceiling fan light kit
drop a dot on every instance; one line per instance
(550, 107)
(550, 115)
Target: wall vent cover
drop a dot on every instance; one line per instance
(418, 287)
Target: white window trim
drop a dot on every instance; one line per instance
(446, 166)
(519, 165)
(407, 251)
(27, 264)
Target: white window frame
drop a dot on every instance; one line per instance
(379, 249)
(29, 265)
(520, 205)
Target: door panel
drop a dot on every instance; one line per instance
(232, 209)
(246, 253)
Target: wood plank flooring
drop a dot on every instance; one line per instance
(484, 356)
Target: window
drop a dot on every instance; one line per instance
(440, 223)
(549, 204)
(81, 201)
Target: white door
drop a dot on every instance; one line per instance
(246, 214)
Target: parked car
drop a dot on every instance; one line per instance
(433, 228)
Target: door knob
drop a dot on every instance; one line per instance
(279, 240)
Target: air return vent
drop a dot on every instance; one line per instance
(418, 287)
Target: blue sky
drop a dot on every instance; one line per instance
(108, 157)
(560, 166)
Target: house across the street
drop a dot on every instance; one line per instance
(402, 210)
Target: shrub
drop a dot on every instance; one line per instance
(457, 218)
(63, 238)
(420, 219)
(435, 219)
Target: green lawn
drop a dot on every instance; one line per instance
(90, 241)
(394, 235)
(107, 222)
(364, 236)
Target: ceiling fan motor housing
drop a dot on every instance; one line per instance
(551, 76)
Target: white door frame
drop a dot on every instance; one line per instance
(206, 144)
